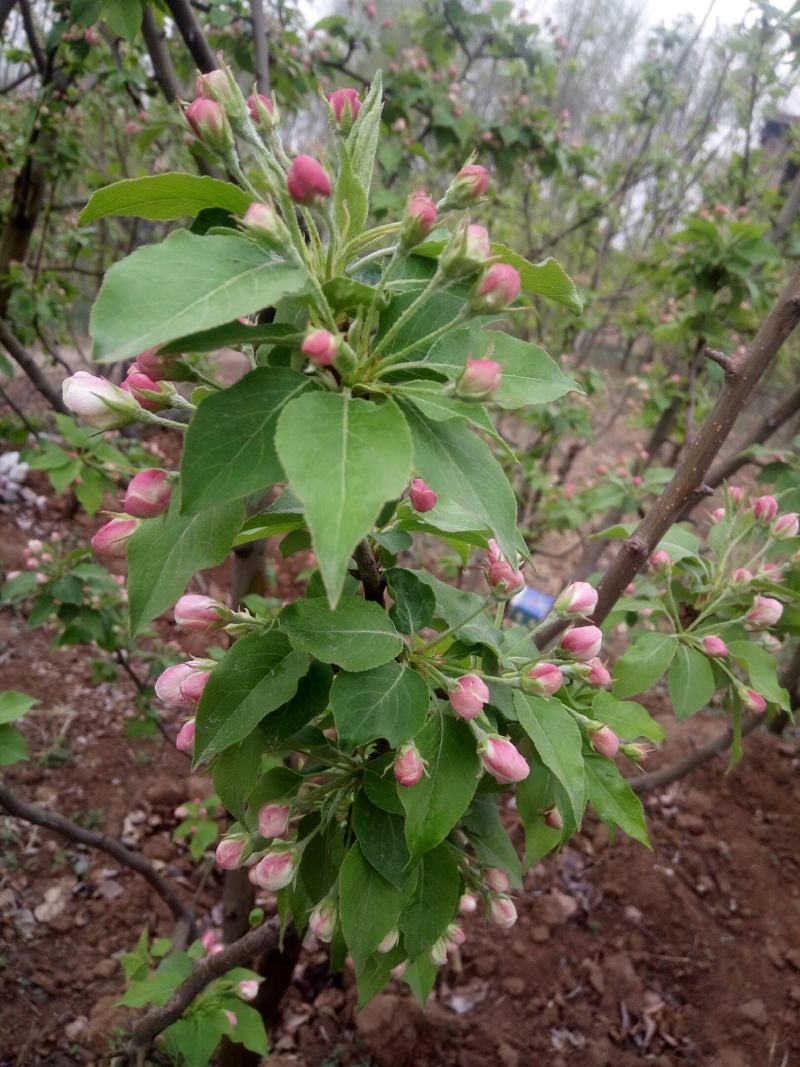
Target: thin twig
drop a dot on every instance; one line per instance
(727, 364)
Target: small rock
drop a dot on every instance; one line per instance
(687, 820)
(793, 958)
(754, 1011)
(73, 1030)
(540, 933)
(794, 994)
(105, 969)
(485, 965)
(595, 974)
(329, 1000)
(508, 1056)
(388, 1026)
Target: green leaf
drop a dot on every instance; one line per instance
(13, 746)
(183, 285)
(357, 458)
(13, 705)
(382, 841)
(420, 977)
(530, 376)
(389, 701)
(414, 602)
(235, 773)
(351, 205)
(762, 668)
(434, 903)
(643, 663)
(165, 552)
(535, 794)
(370, 906)
(559, 743)
(376, 973)
(158, 987)
(493, 847)
(356, 636)
(613, 799)
(249, 1030)
(626, 717)
(457, 464)
(362, 141)
(164, 196)
(124, 17)
(258, 674)
(690, 681)
(310, 700)
(229, 450)
(547, 278)
(443, 794)
(234, 335)
(454, 605)
(380, 784)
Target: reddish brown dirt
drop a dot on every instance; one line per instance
(686, 955)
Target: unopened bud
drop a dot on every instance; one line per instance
(148, 494)
(715, 646)
(742, 575)
(604, 741)
(229, 852)
(786, 525)
(753, 701)
(149, 394)
(660, 560)
(766, 611)
(502, 912)
(467, 251)
(389, 942)
(469, 185)
(468, 696)
(635, 751)
(496, 879)
(210, 124)
(200, 613)
(419, 219)
(307, 181)
(479, 379)
(544, 678)
(344, 106)
(184, 742)
(597, 674)
(321, 347)
(582, 642)
(579, 598)
(263, 111)
(322, 920)
(97, 402)
(408, 765)
(502, 760)
(275, 871)
(273, 820)
(422, 497)
(248, 988)
(468, 904)
(765, 508)
(111, 540)
(499, 287)
(552, 818)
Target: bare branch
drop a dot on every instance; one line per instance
(260, 44)
(193, 37)
(369, 573)
(163, 70)
(25, 360)
(262, 939)
(727, 364)
(39, 58)
(51, 821)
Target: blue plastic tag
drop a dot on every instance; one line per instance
(530, 604)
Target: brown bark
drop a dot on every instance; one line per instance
(25, 360)
(193, 37)
(769, 425)
(163, 70)
(260, 46)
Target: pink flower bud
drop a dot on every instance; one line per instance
(275, 871)
(736, 493)
(149, 394)
(321, 347)
(660, 560)
(743, 575)
(604, 741)
(552, 818)
(199, 614)
(193, 685)
(420, 218)
(111, 540)
(502, 760)
(478, 249)
(496, 879)
(97, 402)
(273, 820)
(765, 611)
(148, 494)
(544, 678)
(169, 682)
(262, 219)
(408, 765)
(210, 124)
(598, 674)
(502, 912)
(715, 646)
(231, 1017)
(479, 379)
(582, 642)
(474, 179)
(468, 904)
(422, 497)
(307, 181)
(717, 515)
(389, 942)
(160, 368)
(579, 598)
(257, 104)
(468, 696)
(184, 742)
(753, 701)
(322, 920)
(439, 952)
(630, 589)
(345, 106)
(504, 580)
(215, 85)
(499, 287)
(209, 940)
(765, 508)
(455, 936)
(248, 988)
(229, 852)
(787, 525)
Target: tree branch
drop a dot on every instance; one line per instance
(163, 70)
(264, 938)
(59, 824)
(369, 573)
(260, 45)
(193, 37)
(22, 356)
(39, 58)
(687, 482)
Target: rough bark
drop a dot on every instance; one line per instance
(25, 360)
(193, 37)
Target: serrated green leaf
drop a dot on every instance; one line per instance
(357, 458)
(370, 906)
(626, 718)
(382, 840)
(163, 554)
(645, 661)
(13, 747)
(390, 701)
(614, 800)
(258, 674)
(414, 602)
(690, 681)
(185, 284)
(547, 279)
(234, 335)
(229, 450)
(357, 636)
(762, 669)
(164, 196)
(443, 794)
(13, 705)
(558, 742)
(434, 903)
